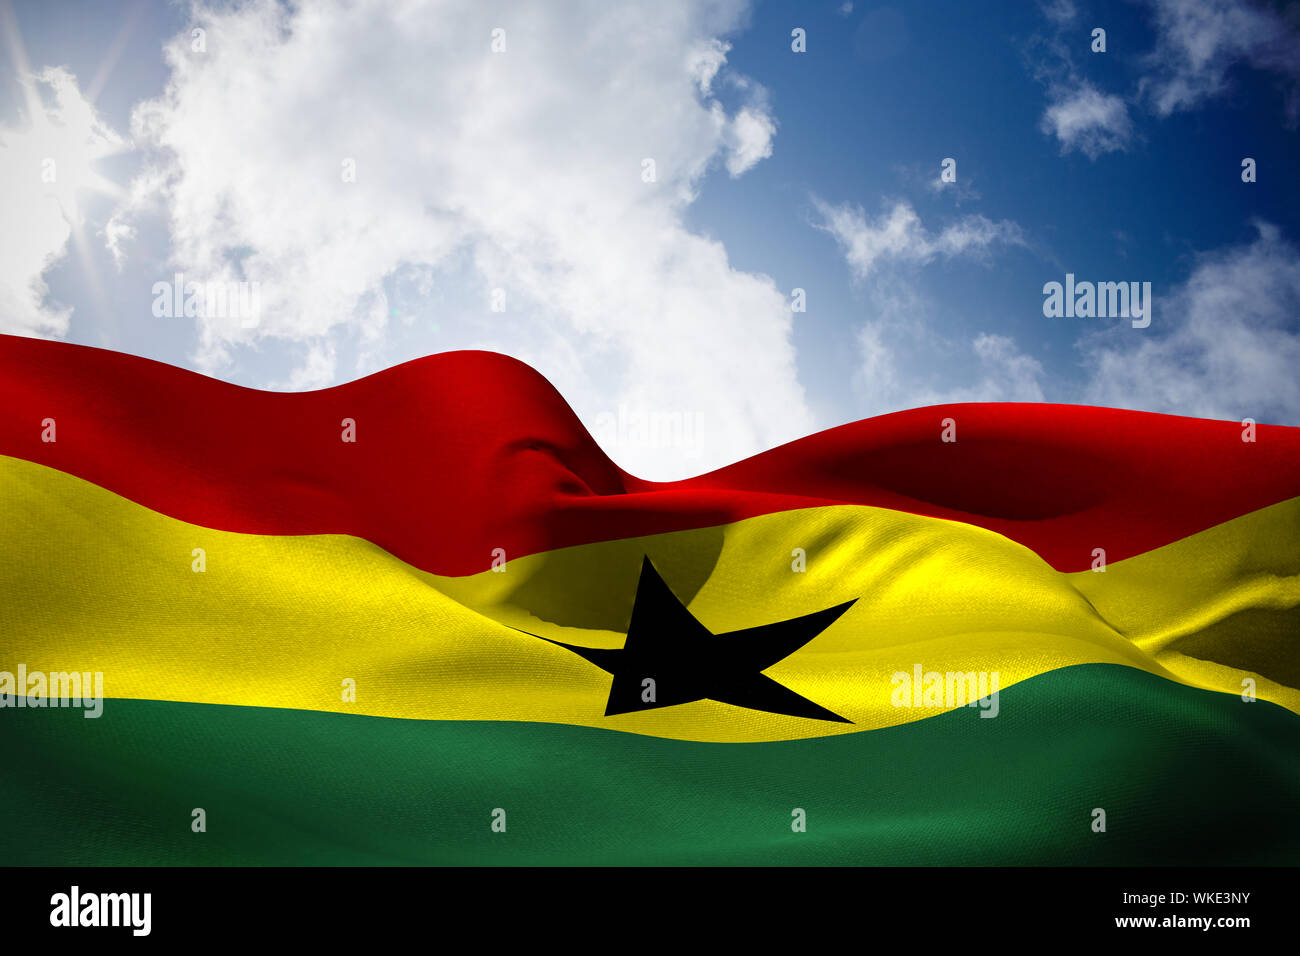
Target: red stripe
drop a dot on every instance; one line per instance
(464, 452)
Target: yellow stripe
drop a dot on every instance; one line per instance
(91, 581)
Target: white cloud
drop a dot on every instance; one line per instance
(1198, 41)
(705, 61)
(47, 164)
(520, 170)
(1225, 344)
(1197, 44)
(315, 370)
(896, 368)
(963, 190)
(751, 140)
(1059, 11)
(905, 362)
(1087, 120)
(1007, 374)
(898, 236)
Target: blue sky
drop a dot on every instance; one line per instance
(668, 302)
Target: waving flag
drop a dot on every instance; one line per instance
(423, 618)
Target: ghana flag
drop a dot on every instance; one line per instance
(422, 618)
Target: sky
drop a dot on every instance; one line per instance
(714, 226)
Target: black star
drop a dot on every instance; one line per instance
(667, 645)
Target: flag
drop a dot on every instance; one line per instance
(423, 618)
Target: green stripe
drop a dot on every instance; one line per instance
(1185, 776)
